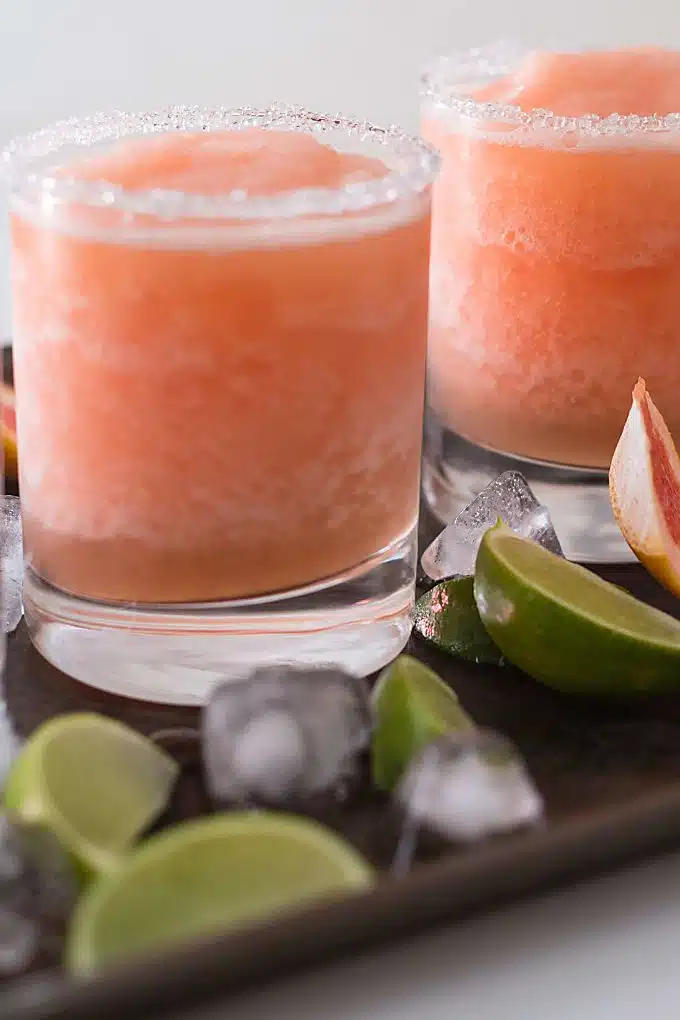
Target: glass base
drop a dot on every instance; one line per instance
(358, 621)
(455, 470)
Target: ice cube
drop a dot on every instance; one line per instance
(454, 551)
(38, 890)
(284, 734)
(36, 875)
(19, 939)
(10, 743)
(11, 563)
(469, 785)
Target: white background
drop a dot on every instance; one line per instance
(603, 951)
(60, 57)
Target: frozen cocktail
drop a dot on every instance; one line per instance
(556, 248)
(220, 329)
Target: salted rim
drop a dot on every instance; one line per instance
(418, 164)
(444, 81)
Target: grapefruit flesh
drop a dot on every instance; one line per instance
(644, 486)
(9, 429)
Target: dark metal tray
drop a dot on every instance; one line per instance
(610, 774)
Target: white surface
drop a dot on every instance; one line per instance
(598, 952)
(605, 950)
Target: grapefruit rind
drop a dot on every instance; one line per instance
(644, 487)
(8, 426)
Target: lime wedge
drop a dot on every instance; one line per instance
(447, 617)
(567, 627)
(208, 876)
(412, 707)
(95, 783)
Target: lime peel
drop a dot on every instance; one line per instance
(568, 627)
(446, 616)
(94, 782)
(412, 707)
(208, 876)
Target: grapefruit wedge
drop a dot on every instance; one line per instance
(644, 487)
(9, 429)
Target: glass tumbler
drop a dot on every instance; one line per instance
(219, 391)
(555, 278)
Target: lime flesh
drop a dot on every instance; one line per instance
(209, 876)
(95, 783)
(412, 706)
(565, 626)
